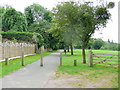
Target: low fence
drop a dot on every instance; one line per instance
(110, 60)
(8, 50)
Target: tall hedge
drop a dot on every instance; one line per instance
(23, 36)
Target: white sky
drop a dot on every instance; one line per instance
(110, 32)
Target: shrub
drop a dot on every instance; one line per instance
(23, 36)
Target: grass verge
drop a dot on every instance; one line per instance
(95, 74)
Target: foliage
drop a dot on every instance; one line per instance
(39, 21)
(65, 19)
(77, 22)
(42, 27)
(36, 13)
(23, 36)
(13, 20)
(51, 42)
(2, 10)
(110, 46)
(64, 24)
(111, 5)
(97, 44)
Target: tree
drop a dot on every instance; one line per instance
(85, 25)
(97, 44)
(13, 20)
(39, 21)
(36, 13)
(2, 10)
(90, 18)
(64, 23)
(110, 46)
(80, 21)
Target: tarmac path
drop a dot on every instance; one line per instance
(33, 76)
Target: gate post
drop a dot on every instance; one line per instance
(90, 60)
(61, 59)
(22, 52)
(41, 60)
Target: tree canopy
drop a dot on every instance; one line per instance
(36, 13)
(39, 21)
(68, 24)
(13, 20)
(77, 22)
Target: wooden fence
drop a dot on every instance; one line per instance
(8, 50)
(111, 60)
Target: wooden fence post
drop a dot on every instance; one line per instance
(6, 61)
(22, 52)
(90, 61)
(3, 51)
(61, 59)
(75, 62)
(41, 60)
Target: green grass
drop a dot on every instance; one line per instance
(96, 72)
(15, 64)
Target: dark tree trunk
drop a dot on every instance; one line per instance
(71, 49)
(83, 53)
(65, 50)
(36, 49)
(68, 49)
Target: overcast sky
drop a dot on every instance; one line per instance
(110, 32)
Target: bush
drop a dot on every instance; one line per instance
(23, 36)
(97, 44)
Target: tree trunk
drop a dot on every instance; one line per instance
(68, 49)
(83, 53)
(64, 50)
(71, 49)
(22, 52)
(36, 49)
(41, 60)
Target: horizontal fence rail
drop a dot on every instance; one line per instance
(103, 59)
(104, 54)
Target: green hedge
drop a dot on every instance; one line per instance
(23, 36)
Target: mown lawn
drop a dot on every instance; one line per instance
(93, 74)
(15, 64)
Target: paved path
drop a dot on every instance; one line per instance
(33, 76)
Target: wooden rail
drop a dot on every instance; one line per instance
(93, 57)
(104, 54)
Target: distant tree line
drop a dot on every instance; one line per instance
(99, 44)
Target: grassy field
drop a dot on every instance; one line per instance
(15, 64)
(104, 76)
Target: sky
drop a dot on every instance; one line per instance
(110, 32)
